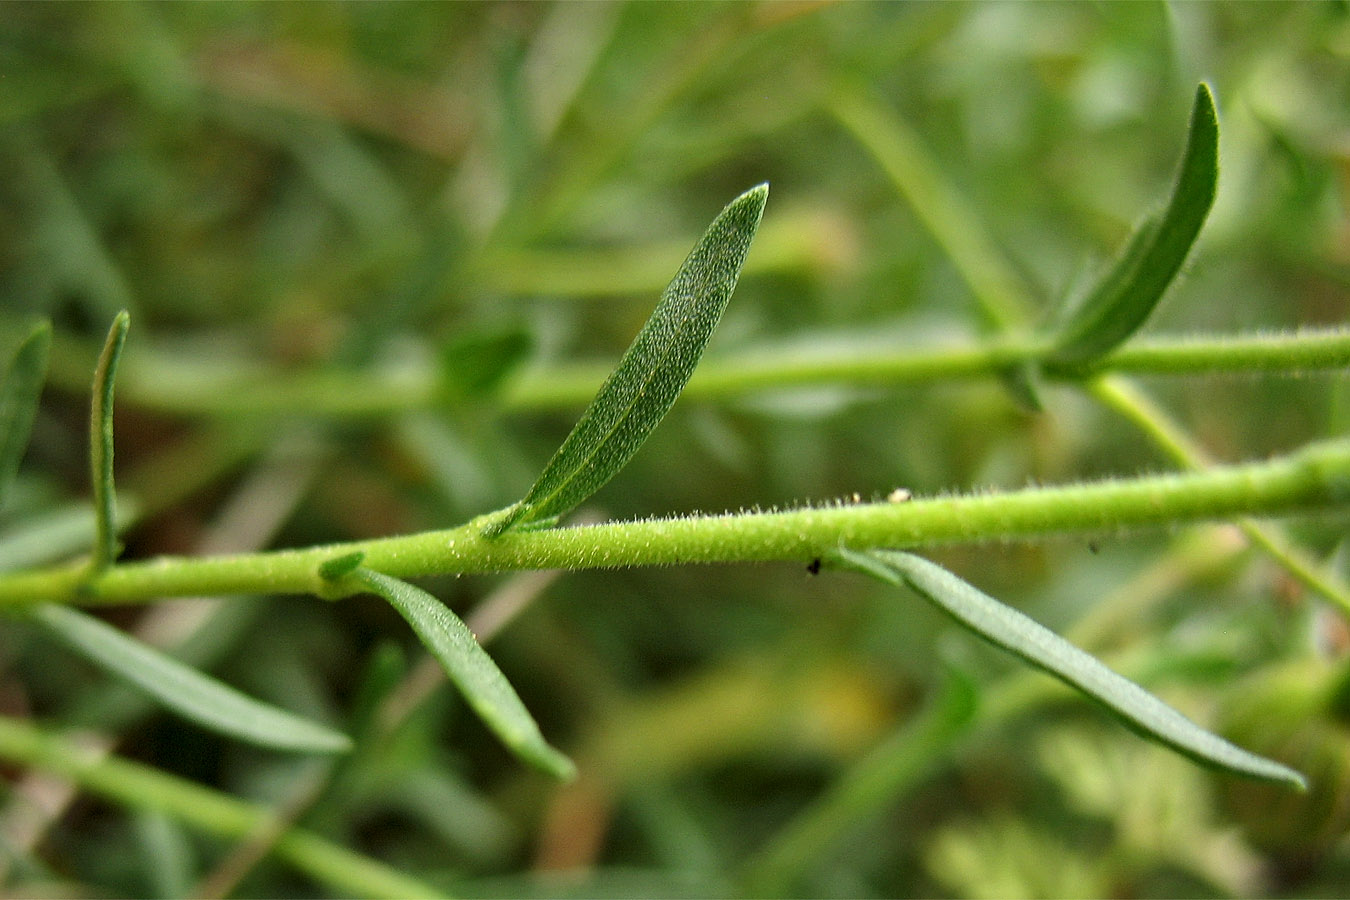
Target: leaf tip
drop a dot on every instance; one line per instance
(1204, 101)
(756, 197)
(557, 764)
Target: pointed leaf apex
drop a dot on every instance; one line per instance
(1128, 292)
(651, 374)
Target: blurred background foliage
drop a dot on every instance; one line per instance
(499, 189)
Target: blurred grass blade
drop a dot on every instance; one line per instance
(1128, 293)
(652, 372)
(475, 365)
(19, 396)
(470, 668)
(101, 445)
(1046, 650)
(872, 784)
(193, 695)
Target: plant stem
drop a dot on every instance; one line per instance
(1314, 478)
(998, 291)
(1120, 395)
(962, 236)
(244, 389)
(141, 787)
(902, 759)
(784, 368)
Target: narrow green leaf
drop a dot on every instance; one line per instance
(1020, 635)
(1131, 289)
(470, 668)
(19, 395)
(1023, 382)
(101, 445)
(652, 372)
(193, 695)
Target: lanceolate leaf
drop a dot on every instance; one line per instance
(1128, 293)
(652, 372)
(210, 703)
(101, 444)
(19, 400)
(1046, 650)
(470, 668)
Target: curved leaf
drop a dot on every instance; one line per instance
(101, 444)
(193, 695)
(652, 372)
(1015, 632)
(1128, 293)
(19, 395)
(470, 668)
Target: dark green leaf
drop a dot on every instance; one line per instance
(209, 703)
(1131, 289)
(1023, 383)
(101, 444)
(1046, 650)
(652, 372)
(19, 401)
(475, 365)
(470, 668)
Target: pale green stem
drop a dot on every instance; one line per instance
(1314, 478)
(141, 787)
(1124, 398)
(782, 368)
(998, 290)
(907, 755)
(788, 241)
(160, 383)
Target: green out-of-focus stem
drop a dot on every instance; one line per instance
(898, 762)
(1121, 396)
(1002, 299)
(141, 787)
(254, 391)
(787, 367)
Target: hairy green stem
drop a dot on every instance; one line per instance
(1314, 478)
(941, 208)
(144, 788)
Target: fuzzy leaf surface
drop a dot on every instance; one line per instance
(19, 394)
(101, 443)
(193, 695)
(651, 374)
(1131, 289)
(483, 685)
(1006, 627)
